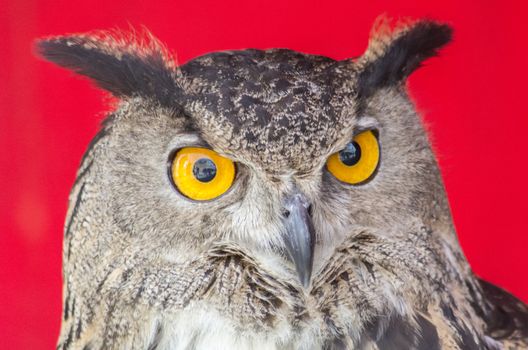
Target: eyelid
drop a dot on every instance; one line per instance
(193, 140)
(187, 139)
(366, 123)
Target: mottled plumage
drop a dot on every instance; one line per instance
(146, 268)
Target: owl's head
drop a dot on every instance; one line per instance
(281, 153)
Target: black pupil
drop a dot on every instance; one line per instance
(351, 154)
(204, 170)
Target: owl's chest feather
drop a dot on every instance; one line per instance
(201, 327)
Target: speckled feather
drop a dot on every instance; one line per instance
(144, 268)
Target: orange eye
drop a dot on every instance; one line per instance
(358, 161)
(201, 174)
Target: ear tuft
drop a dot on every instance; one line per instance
(124, 64)
(395, 50)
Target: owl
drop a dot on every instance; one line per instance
(267, 199)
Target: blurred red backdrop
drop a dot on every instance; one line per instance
(473, 99)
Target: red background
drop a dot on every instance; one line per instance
(473, 99)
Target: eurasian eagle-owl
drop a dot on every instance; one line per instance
(267, 199)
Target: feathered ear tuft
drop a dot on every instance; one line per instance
(124, 64)
(396, 50)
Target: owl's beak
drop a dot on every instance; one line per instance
(300, 235)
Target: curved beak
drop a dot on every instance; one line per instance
(300, 236)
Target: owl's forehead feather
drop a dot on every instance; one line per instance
(274, 108)
(260, 60)
(264, 76)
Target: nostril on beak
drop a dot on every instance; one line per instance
(310, 210)
(286, 210)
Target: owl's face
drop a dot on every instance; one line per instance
(280, 153)
(272, 122)
(146, 201)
